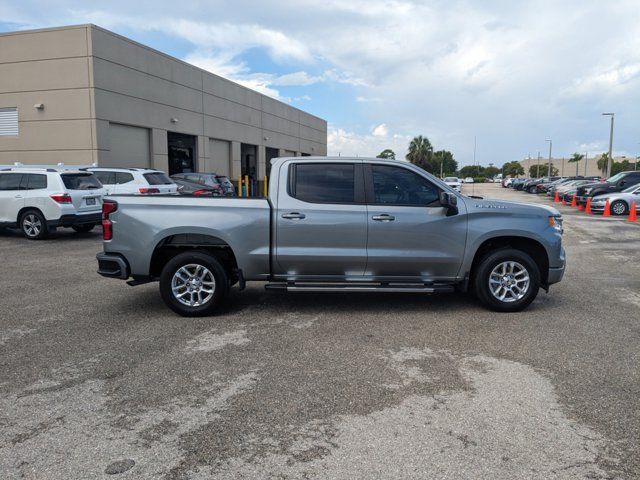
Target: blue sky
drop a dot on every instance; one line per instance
(380, 72)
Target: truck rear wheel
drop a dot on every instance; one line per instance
(194, 284)
(507, 280)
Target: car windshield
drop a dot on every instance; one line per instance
(157, 178)
(632, 189)
(451, 179)
(615, 178)
(80, 181)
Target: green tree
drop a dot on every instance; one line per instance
(544, 170)
(575, 158)
(388, 154)
(445, 159)
(602, 163)
(622, 166)
(513, 169)
(472, 171)
(491, 171)
(420, 153)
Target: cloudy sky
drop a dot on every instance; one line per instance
(511, 73)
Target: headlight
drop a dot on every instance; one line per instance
(556, 222)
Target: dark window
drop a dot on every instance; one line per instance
(399, 186)
(36, 181)
(80, 181)
(10, 181)
(106, 178)
(325, 183)
(157, 178)
(122, 177)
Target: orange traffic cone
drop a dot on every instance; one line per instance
(564, 202)
(607, 209)
(580, 207)
(633, 214)
(573, 201)
(556, 198)
(587, 208)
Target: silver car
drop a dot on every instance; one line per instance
(619, 202)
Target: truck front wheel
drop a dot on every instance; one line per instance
(507, 280)
(194, 284)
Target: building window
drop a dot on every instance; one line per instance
(8, 121)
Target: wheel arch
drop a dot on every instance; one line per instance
(530, 246)
(26, 209)
(174, 244)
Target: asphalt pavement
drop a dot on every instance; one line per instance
(101, 380)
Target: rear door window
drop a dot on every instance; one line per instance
(80, 181)
(157, 178)
(36, 181)
(123, 177)
(106, 178)
(322, 183)
(10, 181)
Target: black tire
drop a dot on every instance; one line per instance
(33, 225)
(619, 207)
(482, 274)
(85, 228)
(209, 305)
(533, 190)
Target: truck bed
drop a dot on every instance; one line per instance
(141, 223)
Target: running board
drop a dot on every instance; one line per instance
(360, 287)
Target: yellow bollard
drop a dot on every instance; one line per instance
(246, 185)
(265, 186)
(239, 185)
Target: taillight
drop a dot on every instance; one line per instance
(61, 198)
(202, 191)
(108, 207)
(148, 190)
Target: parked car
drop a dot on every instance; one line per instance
(185, 187)
(506, 182)
(38, 200)
(212, 180)
(617, 183)
(518, 183)
(563, 187)
(142, 181)
(619, 202)
(453, 182)
(348, 225)
(468, 180)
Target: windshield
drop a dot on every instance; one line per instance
(615, 178)
(157, 178)
(451, 179)
(632, 189)
(80, 181)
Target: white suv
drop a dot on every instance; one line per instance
(133, 180)
(37, 200)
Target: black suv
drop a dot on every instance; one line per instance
(617, 183)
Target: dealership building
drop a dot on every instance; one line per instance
(83, 95)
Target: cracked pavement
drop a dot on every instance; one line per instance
(100, 377)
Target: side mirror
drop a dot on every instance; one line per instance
(622, 183)
(449, 201)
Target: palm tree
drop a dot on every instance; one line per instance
(575, 158)
(420, 150)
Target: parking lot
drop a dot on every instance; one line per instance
(98, 378)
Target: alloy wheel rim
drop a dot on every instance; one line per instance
(618, 208)
(193, 285)
(509, 281)
(32, 225)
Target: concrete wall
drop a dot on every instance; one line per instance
(88, 78)
(51, 67)
(569, 169)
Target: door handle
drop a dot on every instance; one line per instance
(18, 196)
(293, 216)
(383, 217)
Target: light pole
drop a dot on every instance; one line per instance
(586, 158)
(538, 172)
(549, 170)
(610, 162)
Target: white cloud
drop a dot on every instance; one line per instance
(380, 130)
(349, 143)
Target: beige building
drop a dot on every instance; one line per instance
(83, 95)
(587, 167)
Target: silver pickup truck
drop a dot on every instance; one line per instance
(334, 224)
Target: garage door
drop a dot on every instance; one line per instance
(219, 157)
(289, 153)
(129, 147)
